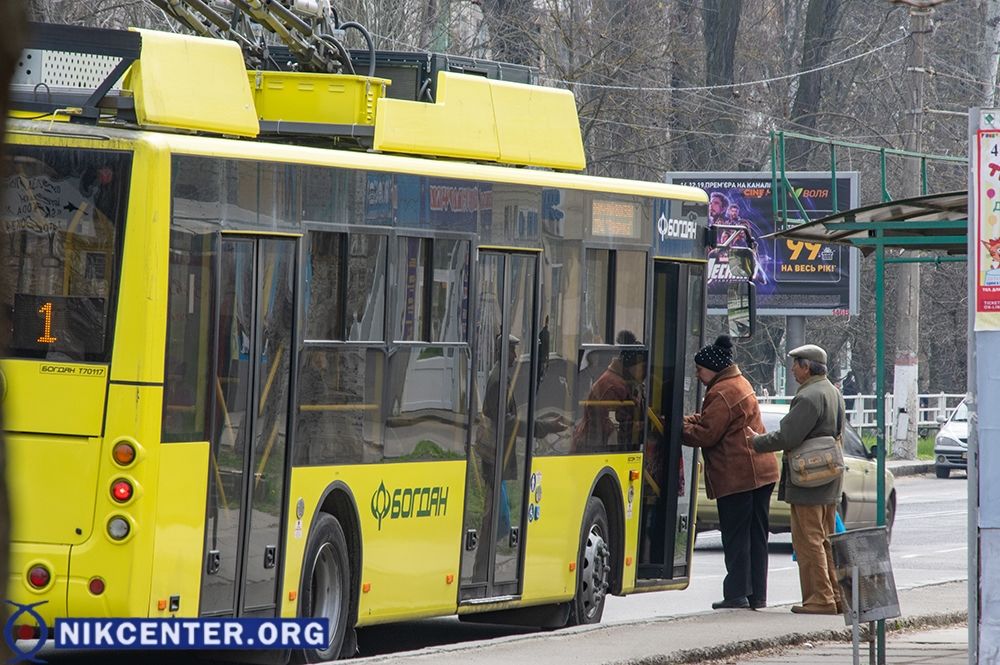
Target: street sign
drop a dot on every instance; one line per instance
(868, 551)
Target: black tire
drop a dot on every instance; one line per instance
(942, 471)
(326, 588)
(593, 564)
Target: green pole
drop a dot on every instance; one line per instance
(880, 407)
(774, 180)
(886, 196)
(833, 177)
(923, 175)
(784, 177)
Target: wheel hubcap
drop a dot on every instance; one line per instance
(595, 573)
(326, 588)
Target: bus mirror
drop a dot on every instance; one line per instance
(741, 310)
(742, 262)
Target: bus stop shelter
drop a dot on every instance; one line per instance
(935, 225)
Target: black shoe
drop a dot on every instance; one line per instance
(731, 604)
(758, 604)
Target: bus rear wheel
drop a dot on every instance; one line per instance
(326, 587)
(593, 566)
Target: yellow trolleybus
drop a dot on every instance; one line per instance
(255, 375)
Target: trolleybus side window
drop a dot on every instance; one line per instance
(63, 211)
(427, 399)
(341, 366)
(345, 287)
(196, 211)
(412, 294)
(615, 298)
(630, 292)
(432, 282)
(277, 198)
(187, 400)
(611, 383)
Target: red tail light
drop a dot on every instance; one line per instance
(96, 586)
(121, 491)
(39, 577)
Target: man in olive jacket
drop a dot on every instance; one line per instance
(740, 479)
(816, 410)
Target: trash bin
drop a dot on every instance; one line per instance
(868, 550)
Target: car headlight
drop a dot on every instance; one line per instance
(948, 441)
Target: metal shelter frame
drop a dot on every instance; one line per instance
(931, 222)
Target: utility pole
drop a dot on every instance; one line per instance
(905, 387)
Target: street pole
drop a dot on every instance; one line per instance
(906, 371)
(795, 336)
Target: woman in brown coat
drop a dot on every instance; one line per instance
(736, 476)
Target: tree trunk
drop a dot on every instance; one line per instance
(12, 16)
(822, 20)
(990, 53)
(722, 23)
(513, 30)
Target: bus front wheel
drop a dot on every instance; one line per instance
(326, 586)
(593, 566)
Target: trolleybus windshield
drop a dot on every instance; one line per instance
(63, 212)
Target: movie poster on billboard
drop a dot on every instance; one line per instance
(793, 278)
(987, 231)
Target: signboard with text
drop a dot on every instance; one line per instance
(987, 193)
(793, 278)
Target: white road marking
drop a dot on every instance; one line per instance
(916, 554)
(943, 513)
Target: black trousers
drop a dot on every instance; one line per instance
(743, 518)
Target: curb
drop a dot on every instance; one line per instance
(722, 651)
(912, 469)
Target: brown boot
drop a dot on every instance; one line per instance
(815, 609)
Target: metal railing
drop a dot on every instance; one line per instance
(861, 409)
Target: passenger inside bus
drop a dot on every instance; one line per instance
(613, 411)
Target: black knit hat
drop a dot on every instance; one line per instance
(716, 357)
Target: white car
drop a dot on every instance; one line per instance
(951, 445)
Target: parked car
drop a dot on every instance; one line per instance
(951, 445)
(857, 503)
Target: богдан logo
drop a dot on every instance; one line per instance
(10, 638)
(408, 502)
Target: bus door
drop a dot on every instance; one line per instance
(505, 330)
(667, 515)
(247, 471)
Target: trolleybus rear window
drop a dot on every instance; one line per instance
(62, 212)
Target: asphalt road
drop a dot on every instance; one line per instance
(928, 546)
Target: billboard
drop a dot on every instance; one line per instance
(987, 228)
(793, 278)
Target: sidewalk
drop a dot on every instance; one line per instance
(734, 635)
(941, 646)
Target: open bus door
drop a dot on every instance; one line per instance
(666, 533)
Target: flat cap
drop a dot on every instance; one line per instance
(809, 352)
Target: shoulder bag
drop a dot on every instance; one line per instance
(817, 461)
